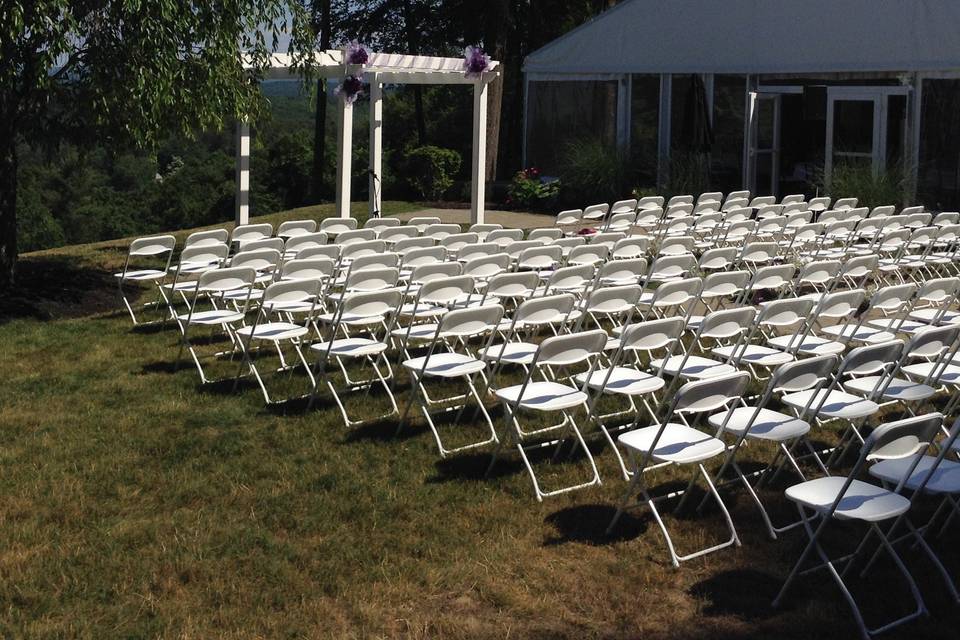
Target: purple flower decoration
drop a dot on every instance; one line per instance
(350, 89)
(475, 61)
(356, 53)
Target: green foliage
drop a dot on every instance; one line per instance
(431, 170)
(593, 172)
(872, 190)
(529, 191)
(689, 173)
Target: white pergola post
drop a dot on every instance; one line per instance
(242, 195)
(479, 172)
(345, 157)
(376, 145)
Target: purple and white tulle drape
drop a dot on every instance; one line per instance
(475, 61)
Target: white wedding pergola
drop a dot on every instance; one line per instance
(381, 69)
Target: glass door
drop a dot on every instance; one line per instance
(763, 156)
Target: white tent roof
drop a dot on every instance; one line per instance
(759, 36)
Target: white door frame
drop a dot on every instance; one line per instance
(753, 151)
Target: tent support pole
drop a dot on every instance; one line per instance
(242, 195)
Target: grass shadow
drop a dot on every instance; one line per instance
(744, 593)
(473, 467)
(588, 524)
(50, 287)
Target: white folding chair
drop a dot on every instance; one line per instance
(483, 230)
(294, 228)
(182, 278)
(393, 235)
(505, 237)
(448, 358)
(596, 211)
(301, 241)
(630, 248)
(728, 327)
(539, 258)
(207, 238)
(544, 235)
(775, 316)
(831, 306)
(848, 499)
(621, 272)
(158, 249)
(550, 396)
(667, 443)
(569, 217)
(334, 227)
(420, 223)
(244, 233)
(381, 224)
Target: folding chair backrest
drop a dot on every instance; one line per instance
(434, 270)
(675, 200)
(621, 206)
(293, 228)
(649, 216)
(288, 291)
(634, 269)
(608, 238)
(381, 224)
(396, 234)
(483, 230)
(727, 323)
(741, 229)
(651, 335)
(680, 224)
(630, 247)
(938, 290)
(260, 259)
(569, 349)
(845, 203)
(759, 251)
(677, 210)
(738, 195)
(544, 235)
(872, 358)
(769, 210)
(201, 238)
(335, 226)
(719, 258)
(673, 266)
(797, 219)
(444, 291)
(678, 245)
(920, 219)
(277, 244)
(544, 310)
(949, 233)
(711, 394)
(540, 256)
(808, 232)
(726, 283)
(773, 276)
(307, 269)
(406, 245)
(568, 243)
(247, 232)
(511, 285)
(356, 250)
(514, 249)
(613, 299)
(371, 304)
(331, 251)
(792, 198)
(906, 211)
(773, 224)
(371, 279)
(355, 236)
(420, 223)
(569, 216)
(793, 207)
(819, 203)
(894, 298)
(576, 277)
(376, 261)
(709, 206)
(735, 203)
(588, 254)
(305, 240)
(881, 211)
(456, 241)
(860, 266)
(803, 375)
(931, 342)
(902, 438)
(223, 280)
(785, 313)
(596, 211)
(504, 237)
(650, 202)
(708, 221)
(624, 219)
(466, 323)
(840, 304)
(677, 292)
(152, 246)
(760, 201)
(947, 217)
(710, 196)
(820, 272)
(484, 267)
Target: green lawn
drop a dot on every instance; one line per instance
(134, 503)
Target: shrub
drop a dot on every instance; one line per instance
(593, 172)
(859, 181)
(431, 170)
(529, 190)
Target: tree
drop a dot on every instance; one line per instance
(321, 24)
(126, 72)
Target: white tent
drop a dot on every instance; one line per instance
(759, 36)
(380, 69)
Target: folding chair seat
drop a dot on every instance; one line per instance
(244, 233)
(630, 248)
(668, 443)
(831, 306)
(596, 212)
(760, 201)
(333, 227)
(626, 377)
(727, 327)
(393, 235)
(406, 245)
(207, 238)
(569, 217)
(892, 301)
(158, 249)
(454, 242)
(531, 316)
(621, 272)
(676, 246)
(549, 396)
(761, 423)
(301, 241)
(775, 316)
(483, 230)
(650, 202)
(275, 325)
(294, 228)
(356, 236)
(355, 337)
(543, 235)
(834, 402)
(420, 223)
(211, 286)
(847, 499)
(275, 244)
(539, 258)
(668, 268)
(448, 358)
(591, 254)
(719, 259)
(820, 203)
(381, 224)
(504, 237)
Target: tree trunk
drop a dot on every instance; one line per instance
(8, 208)
(322, 26)
(418, 113)
(499, 14)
